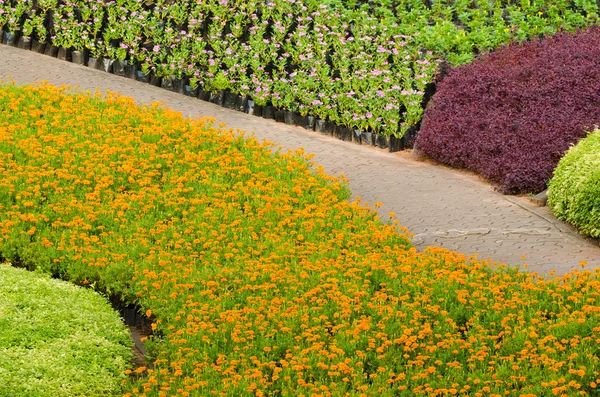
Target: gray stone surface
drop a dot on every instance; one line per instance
(442, 207)
(540, 199)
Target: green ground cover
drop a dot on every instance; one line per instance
(57, 339)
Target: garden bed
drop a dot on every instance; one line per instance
(259, 275)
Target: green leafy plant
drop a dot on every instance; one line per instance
(257, 42)
(58, 339)
(574, 190)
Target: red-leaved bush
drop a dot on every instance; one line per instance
(512, 114)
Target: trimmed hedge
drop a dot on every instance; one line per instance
(57, 339)
(574, 191)
(511, 115)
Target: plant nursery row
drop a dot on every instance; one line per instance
(362, 65)
(260, 276)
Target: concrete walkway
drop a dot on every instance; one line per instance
(440, 206)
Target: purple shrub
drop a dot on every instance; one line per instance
(511, 115)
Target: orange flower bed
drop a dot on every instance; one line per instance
(260, 275)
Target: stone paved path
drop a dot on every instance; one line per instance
(440, 206)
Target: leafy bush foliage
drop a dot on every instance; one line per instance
(361, 64)
(511, 115)
(574, 190)
(57, 339)
(260, 275)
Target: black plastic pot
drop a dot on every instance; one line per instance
(142, 77)
(408, 140)
(24, 42)
(10, 39)
(78, 57)
(37, 47)
(155, 80)
(167, 83)
(330, 128)
(258, 110)
(300, 120)
(64, 54)
(337, 132)
(346, 134)
(320, 125)
(241, 103)
(366, 138)
(106, 65)
(278, 115)
(268, 112)
(229, 100)
(357, 136)
(51, 50)
(131, 70)
(383, 141)
(254, 109)
(396, 144)
(203, 95)
(289, 117)
(217, 97)
(189, 91)
(1, 36)
(119, 67)
(309, 122)
(375, 139)
(179, 85)
(250, 106)
(93, 63)
(125, 69)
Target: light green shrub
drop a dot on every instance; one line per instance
(574, 191)
(57, 339)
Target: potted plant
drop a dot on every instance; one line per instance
(35, 28)
(12, 19)
(219, 84)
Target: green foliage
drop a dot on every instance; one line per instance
(574, 191)
(364, 65)
(57, 339)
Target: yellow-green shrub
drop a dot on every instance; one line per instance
(58, 339)
(574, 190)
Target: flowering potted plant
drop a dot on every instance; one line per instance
(10, 18)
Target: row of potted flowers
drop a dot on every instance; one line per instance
(367, 66)
(224, 98)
